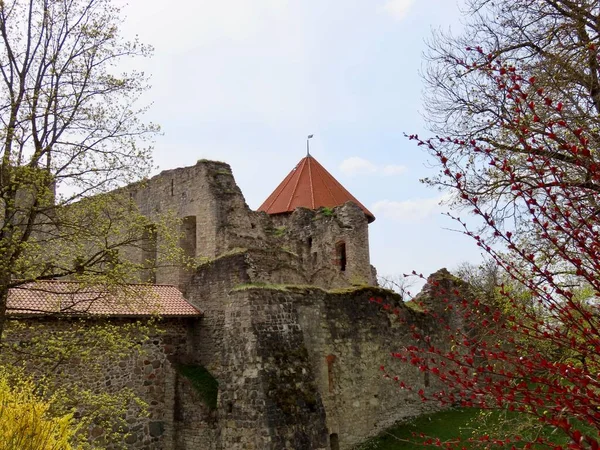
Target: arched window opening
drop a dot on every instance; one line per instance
(334, 441)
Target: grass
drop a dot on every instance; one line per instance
(203, 382)
(449, 426)
(327, 212)
(445, 425)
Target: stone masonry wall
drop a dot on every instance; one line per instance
(269, 397)
(332, 246)
(299, 365)
(214, 214)
(149, 373)
(319, 237)
(195, 424)
(340, 340)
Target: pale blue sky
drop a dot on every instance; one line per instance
(244, 81)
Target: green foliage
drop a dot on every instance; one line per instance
(279, 231)
(289, 251)
(68, 362)
(327, 212)
(445, 425)
(232, 252)
(203, 382)
(414, 306)
(70, 134)
(64, 150)
(28, 421)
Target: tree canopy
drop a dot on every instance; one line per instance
(555, 41)
(515, 103)
(532, 348)
(70, 134)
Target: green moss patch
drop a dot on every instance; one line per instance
(203, 382)
(276, 287)
(279, 231)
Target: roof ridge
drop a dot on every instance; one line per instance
(81, 282)
(282, 185)
(312, 190)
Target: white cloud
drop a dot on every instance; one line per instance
(355, 166)
(204, 21)
(392, 169)
(398, 9)
(360, 166)
(410, 211)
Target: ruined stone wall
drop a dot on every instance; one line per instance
(150, 373)
(326, 349)
(214, 215)
(299, 366)
(332, 246)
(349, 338)
(195, 425)
(269, 399)
(209, 291)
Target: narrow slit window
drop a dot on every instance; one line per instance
(149, 254)
(188, 236)
(340, 252)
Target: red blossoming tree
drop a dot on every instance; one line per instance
(534, 348)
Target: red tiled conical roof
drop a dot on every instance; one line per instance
(309, 185)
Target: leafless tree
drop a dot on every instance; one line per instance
(555, 42)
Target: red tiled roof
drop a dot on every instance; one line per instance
(309, 185)
(71, 298)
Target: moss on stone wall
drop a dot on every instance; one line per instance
(203, 382)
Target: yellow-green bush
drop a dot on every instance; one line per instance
(26, 422)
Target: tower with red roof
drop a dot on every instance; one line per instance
(309, 185)
(336, 238)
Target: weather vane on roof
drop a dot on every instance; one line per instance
(307, 147)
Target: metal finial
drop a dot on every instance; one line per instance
(307, 147)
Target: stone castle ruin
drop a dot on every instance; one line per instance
(280, 318)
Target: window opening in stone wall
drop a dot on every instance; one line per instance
(340, 253)
(187, 241)
(334, 441)
(172, 187)
(149, 254)
(426, 379)
(309, 243)
(330, 360)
